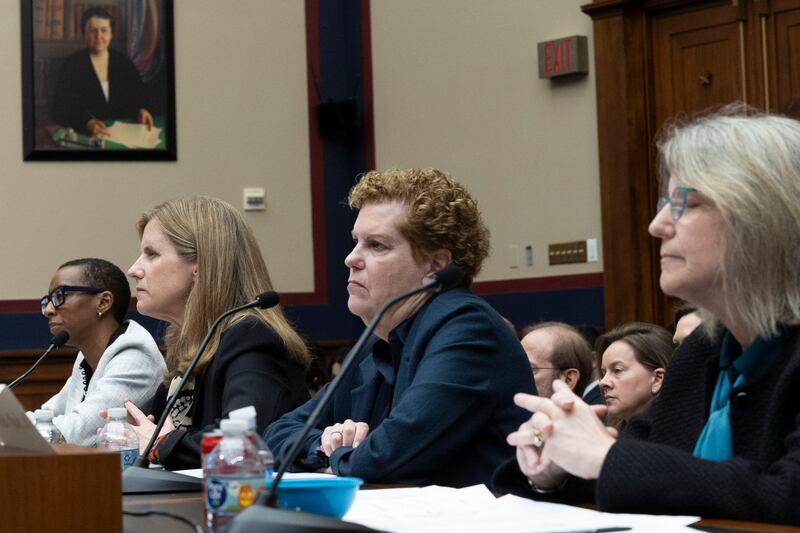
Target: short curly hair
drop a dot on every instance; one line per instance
(441, 213)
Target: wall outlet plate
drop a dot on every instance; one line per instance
(591, 251)
(253, 199)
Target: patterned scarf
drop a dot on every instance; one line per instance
(181, 411)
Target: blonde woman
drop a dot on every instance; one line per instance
(198, 259)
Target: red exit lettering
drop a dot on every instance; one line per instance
(557, 56)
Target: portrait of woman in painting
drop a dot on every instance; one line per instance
(100, 65)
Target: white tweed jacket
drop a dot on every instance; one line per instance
(131, 368)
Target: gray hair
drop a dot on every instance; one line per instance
(748, 164)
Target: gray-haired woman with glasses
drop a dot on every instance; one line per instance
(118, 359)
(722, 439)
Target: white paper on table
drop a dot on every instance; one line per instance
(474, 509)
(198, 472)
(133, 135)
(17, 433)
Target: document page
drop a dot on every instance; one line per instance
(17, 434)
(133, 135)
(475, 509)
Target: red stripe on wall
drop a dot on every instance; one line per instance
(366, 88)
(19, 306)
(552, 283)
(510, 286)
(320, 294)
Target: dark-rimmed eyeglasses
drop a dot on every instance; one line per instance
(676, 201)
(58, 296)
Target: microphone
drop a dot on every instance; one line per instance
(58, 340)
(265, 512)
(448, 277)
(139, 478)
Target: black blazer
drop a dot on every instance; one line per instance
(651, 468)
(251, 367)
(78, 95)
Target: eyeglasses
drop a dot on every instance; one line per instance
(59, 295)
(535, 369)
(677, 201)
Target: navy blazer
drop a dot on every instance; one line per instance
(594, 396)
(451, 407)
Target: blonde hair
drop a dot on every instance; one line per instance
(748, 164)
(441, 213)
(230, 272)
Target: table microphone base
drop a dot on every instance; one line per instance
(139, 480)
(259, 518)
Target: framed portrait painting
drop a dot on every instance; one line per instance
(98, 80)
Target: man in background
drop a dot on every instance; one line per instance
(557, 351)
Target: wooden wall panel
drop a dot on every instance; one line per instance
(46, 380)
(623, 159)
(786, 75)
(650, 60)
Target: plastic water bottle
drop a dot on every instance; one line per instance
(264, 453)
(234, 476)
(117, 435)
(44, 423)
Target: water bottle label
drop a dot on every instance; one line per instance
(232, 494)
(128, 456)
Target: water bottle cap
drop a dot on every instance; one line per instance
(43, 414)
(245, 413)
(233, 427)
(117, 412)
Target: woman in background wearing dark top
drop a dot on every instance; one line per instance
(98, 83)
(198, 259)
(633, 358)
(722, 439)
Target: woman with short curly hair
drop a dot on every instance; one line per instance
(430, 400)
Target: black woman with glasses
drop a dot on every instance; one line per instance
(118, 359)
(722, 438)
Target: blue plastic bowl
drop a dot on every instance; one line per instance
(331, 496)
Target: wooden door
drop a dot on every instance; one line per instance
(781, 29)
(655, 60)
(698, 61)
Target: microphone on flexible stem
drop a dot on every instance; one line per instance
(58, 340)
(265, 512)
(139, 478)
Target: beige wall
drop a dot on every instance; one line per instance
(242, 122)
(456, 87)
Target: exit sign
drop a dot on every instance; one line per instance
(560, 57)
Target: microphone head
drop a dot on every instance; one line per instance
(60, 338)
(267, 299)
(449, 277)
